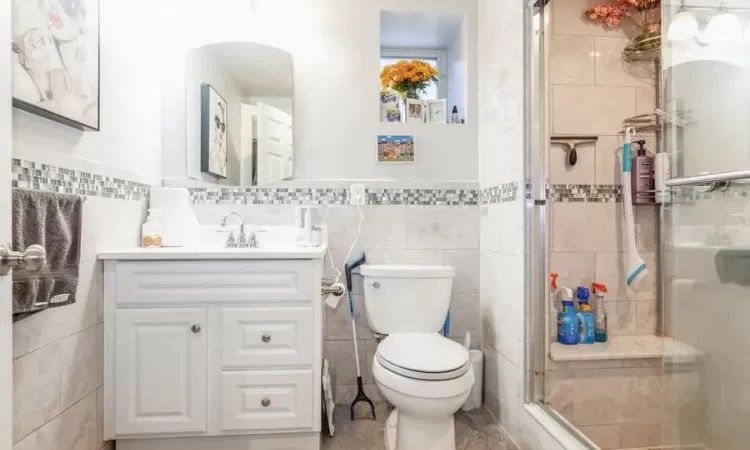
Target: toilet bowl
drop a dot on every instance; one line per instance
(425, 376)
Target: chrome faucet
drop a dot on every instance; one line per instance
(241, 241)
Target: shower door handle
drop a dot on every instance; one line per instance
(32, 259)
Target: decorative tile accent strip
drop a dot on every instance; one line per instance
(44, 177)
(431, 197)
(507, 192)
(585, 193)
(339, 196)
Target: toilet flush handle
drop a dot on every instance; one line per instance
(376, 285)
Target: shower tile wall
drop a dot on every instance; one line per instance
(591, 92)
(391, 234)
(618, 404)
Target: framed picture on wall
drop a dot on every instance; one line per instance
(396, 149)
(55, 62)
(414, 110)
(213, 132)
(437, 111)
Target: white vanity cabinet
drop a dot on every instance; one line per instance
(212, 353)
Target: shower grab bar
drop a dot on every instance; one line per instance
(708, 178)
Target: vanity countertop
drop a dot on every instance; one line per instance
(213, 253)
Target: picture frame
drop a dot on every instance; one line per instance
(437, 111)
(415, 110)
(56, 66)
(396, 149)
(214, 132)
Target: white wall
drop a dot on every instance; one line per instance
(203, 67)
(457, 66)
(130, 137)
(285, 104)
(57, 353)
(335, 47)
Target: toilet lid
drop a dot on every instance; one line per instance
(423, 356)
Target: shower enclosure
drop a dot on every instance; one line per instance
(675, 372)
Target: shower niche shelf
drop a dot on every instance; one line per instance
(627, 347)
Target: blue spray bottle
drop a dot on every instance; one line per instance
(567, 319)
(586, 318)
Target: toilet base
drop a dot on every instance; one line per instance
(403, 432)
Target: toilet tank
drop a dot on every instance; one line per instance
(407, 298)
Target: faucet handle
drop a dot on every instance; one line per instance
(252, 242)
(231, 241)
(242, 240)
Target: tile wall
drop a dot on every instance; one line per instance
(501, 221)
(618, 404)
(591, 92)
(429, 232)
(627, 403)
(57, 353)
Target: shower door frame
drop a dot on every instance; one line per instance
(536, 217)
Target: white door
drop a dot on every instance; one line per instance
(161, 371)
(246, 144)
(6, 303)
(275, 155)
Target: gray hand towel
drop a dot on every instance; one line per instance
(53, 221)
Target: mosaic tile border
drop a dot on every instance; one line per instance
(334, 196)
(584, 193)
(45, 177)
(503, 193)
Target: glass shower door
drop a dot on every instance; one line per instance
(706, 238)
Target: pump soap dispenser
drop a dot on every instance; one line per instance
(642, 176)
(151, 229)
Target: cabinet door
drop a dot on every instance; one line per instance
(267, 337)
(160, 371)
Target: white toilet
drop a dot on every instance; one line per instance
(426, 376)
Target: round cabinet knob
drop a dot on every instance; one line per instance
(266, 402)
(266, 338)
(195, 328)
(376, 285)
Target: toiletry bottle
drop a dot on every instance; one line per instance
(567, 319)
(151, 229)
(586, 319)
(600, 335)
(454, 114)
(553, 295)
(642, 176)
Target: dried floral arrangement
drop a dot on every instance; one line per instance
(637, 11)
(644, 14)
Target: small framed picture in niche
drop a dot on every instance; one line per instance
(396, 149)
(213, 132)
(437, 111)
(415, 110)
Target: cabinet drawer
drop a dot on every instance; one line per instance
(266, 400)
(265, 337)
(216, 281)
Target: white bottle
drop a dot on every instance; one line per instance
(308, 237)
(151, 229)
